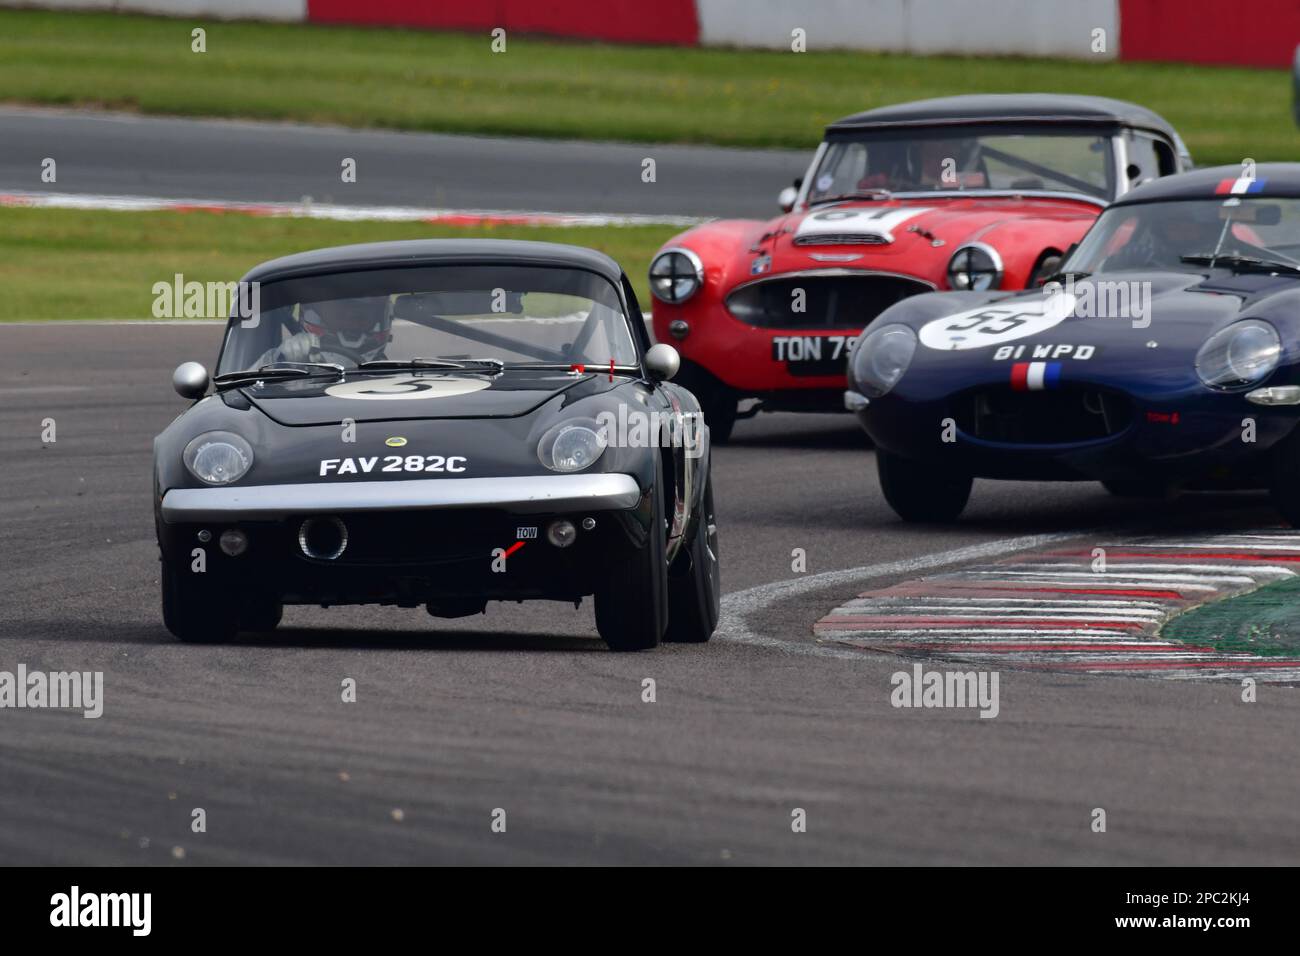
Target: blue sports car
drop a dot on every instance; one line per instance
(1164, 355)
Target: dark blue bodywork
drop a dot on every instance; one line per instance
(1134, 409)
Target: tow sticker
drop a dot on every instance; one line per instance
(997, 323)
(398, 387)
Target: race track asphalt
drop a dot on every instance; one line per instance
(525, 710)
(122, 154)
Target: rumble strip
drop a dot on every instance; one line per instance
(1055, 610)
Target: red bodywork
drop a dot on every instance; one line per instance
(1022, 229)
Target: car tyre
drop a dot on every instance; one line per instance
(261, 615)
(921, 493)
(695, 582)
(632, 605)
(1284, 488)
(195, 612)
(1137, 488)
(718, 403)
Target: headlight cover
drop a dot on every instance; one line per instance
(975, 267)
(1242, 354)
(572, 446)
(218, 458)
(676, 275)
(882, 357)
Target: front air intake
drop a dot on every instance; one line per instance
(323, 538)
(834, 300)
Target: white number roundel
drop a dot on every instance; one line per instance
(997, 323)
(399, 387)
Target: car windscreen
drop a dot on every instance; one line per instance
(539, 315)
(1000, 157)
(1187, 235)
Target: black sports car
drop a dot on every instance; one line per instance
(1165, 355)
(442, 423)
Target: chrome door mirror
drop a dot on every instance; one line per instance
(190, 380)
(662, 362)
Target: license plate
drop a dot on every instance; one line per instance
(812, 354)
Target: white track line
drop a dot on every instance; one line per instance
(1122, 567)
(1207, 546)
(967, 633)
(315, 210)
(741, 607)
(956, 610)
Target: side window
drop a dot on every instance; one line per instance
(841, 170)
(1167, 158)
(1148, 158)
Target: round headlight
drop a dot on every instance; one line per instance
(1242, 354)
(974, 268)
(882, 357)
(571, 446)
(676, 275)
(218, 458)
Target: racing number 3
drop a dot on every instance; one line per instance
(400, 388)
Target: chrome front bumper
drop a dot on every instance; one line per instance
(523, 495)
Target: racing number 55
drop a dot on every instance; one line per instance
(987, 322)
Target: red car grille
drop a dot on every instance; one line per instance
(840, 301)
(842, 239)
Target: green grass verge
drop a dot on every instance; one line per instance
(73, 264)
(1265, 622)
(408, 79)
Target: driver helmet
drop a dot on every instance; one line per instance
(1191, 227)
(357, 328)
(930, 156)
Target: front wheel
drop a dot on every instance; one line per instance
(1136, 488)
(921, 493)
(718, 403)
(195, 611)
(1284, 488)
(695, 581)
(261, 615)
(632, 603)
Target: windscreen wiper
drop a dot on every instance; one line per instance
(1064, 274)
(863, 194)
(1243, 263)
(276, 370)
(469, 364)
(411, 363)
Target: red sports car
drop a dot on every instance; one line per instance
(963, 193)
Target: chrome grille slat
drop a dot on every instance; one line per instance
(843, 239)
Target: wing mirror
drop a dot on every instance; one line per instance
(662, 362)
(190, 380)
(787, 197)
